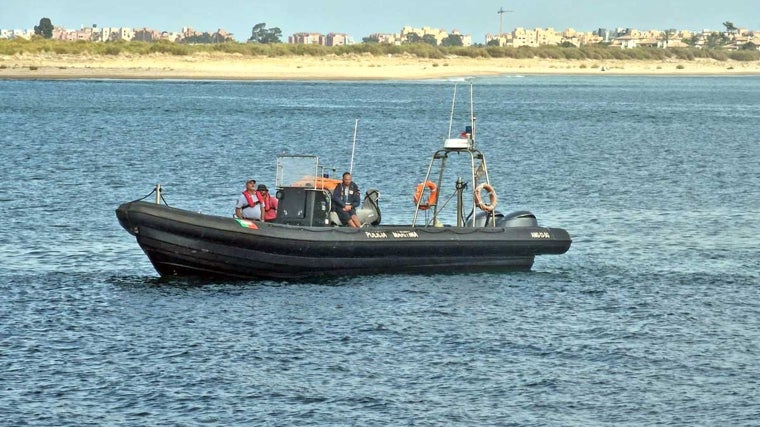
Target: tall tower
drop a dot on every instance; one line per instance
(501, 13)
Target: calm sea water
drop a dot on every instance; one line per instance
(651, 318)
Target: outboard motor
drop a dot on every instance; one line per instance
(483, 219)
(369, 212)
(513, 219)
(517, 219)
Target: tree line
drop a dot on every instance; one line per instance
(262, 35)
(420, 50)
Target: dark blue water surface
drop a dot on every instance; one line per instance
(651, 318)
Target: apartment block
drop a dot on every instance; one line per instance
(338, 39)
(307, 38)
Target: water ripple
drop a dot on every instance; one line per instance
(650, 319)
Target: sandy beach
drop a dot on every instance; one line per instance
(224, 66)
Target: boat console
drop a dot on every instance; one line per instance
(308, 207)
(304, 194)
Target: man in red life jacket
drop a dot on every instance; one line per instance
(248, 204)
(268, 203)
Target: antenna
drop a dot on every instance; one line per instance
(353, 148)
(472, 115)
(501, 13)
(451, 117)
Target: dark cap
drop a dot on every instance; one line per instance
(262, 187)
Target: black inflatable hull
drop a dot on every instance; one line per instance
(184, 243)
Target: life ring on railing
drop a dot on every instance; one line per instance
(492, 199)
(432, 196)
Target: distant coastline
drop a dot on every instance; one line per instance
(231, 66)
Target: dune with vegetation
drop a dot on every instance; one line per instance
(48, 59)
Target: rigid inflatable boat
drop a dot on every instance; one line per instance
(306, 240)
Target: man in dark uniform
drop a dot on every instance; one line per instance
(345, 200)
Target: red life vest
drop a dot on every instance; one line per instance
(269, 206)
(264, 201)
(249, 198)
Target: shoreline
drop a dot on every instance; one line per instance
(223, 66)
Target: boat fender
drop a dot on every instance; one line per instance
(492, 199)
(432, 196)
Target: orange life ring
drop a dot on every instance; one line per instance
(492, 199)
(432, 196)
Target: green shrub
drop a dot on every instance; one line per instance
(230, 48)
(597, 52)
(744, 55)
(720, 55)
(522, 52)
(112, 50)
(168, 47)
(495, 52)
(573, 53)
